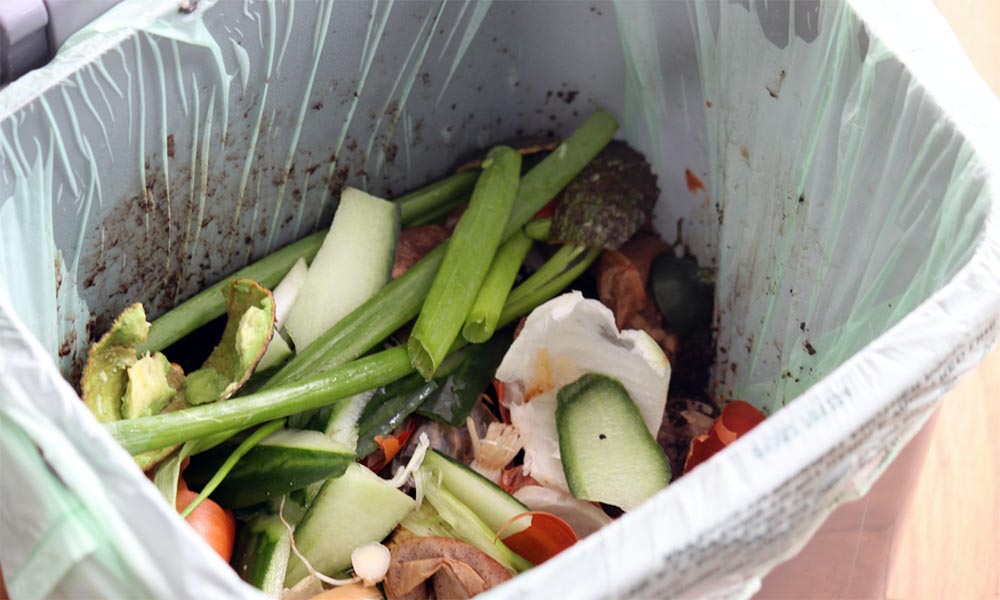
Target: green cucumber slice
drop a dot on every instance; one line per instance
(350, 511)
(443, 514)
(493, 505)
(608, 454)
(261, 556)
(285, 461)
(353, 264)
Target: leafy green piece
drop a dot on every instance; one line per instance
(458, 393)
(608, 201)
(389, 407)
(250, 311)
(683, 292)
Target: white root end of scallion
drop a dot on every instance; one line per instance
(403, 474)
(418, 487)
(371, 562)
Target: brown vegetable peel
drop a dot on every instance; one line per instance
(457, 577)
(426, 567)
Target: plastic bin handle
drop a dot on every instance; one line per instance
(32, 30)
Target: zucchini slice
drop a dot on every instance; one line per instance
(608, 455)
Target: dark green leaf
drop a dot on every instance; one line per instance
(458, 393)
(684, 293)
(389, 407)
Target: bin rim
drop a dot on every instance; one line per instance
(957, 325)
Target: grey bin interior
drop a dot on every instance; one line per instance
(802, 158)
(179, 162)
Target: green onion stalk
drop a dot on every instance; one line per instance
(485, 312)
(438, 196)
(400, 300)
(466, 261)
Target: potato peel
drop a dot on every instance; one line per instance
(425, 567)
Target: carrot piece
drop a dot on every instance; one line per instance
(389, 445)
(395, 442)
(737, 418)
(547, 536)
(210, 521)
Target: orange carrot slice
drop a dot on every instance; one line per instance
(390, 446)
(737, 418)
(210, 521)
(547, 536)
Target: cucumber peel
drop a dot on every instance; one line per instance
(353, 264)
(608, 454)
(443, 514)
(350, 511)
(262, 551)
(285, 461)
(491, 503)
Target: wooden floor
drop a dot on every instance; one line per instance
(948, 545)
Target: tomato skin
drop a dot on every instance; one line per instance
(549, 209)
(210, 521)
(737, 418)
